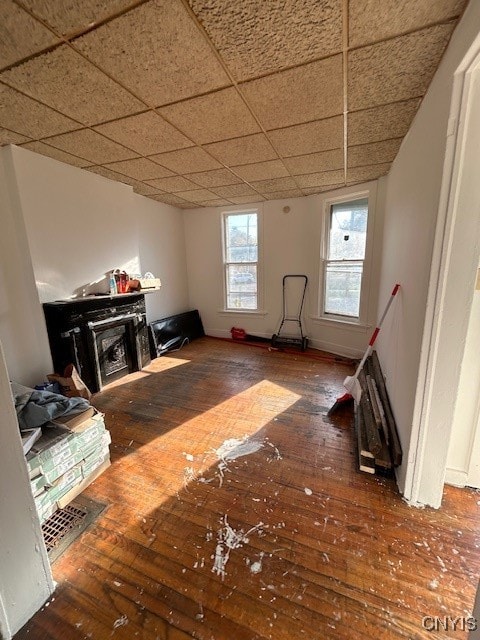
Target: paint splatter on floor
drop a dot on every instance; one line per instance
(120, 622)
(227, 540)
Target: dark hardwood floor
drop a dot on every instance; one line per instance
(287, 541)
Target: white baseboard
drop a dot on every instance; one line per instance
(218, 333)
(336, 349)
(456, 477)
(329, 347)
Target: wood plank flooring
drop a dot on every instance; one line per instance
(288, 541)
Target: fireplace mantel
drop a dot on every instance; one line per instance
(105, 337)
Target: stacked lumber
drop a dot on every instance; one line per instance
(379, 447)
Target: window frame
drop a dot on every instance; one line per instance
(361, 320)
(258, 263)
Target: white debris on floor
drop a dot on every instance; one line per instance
(120, 622)
(234, 448)
(227, 540)
(188, 476)
(256, 567)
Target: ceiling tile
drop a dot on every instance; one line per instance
(188, 205)
(168, 198)
(30, 118)
(246, 199)
(253, 148)
(64, 80)
(173, 184)
(20, 34)
(10, 137)
(107, 173)
(381, 123)
(145, 189)
(320, 135)
(275, 184)
(311, 191)
(187, 160)
(218, 202)
(262, 170)
(374, 153)
(395, 70)
(218, 116)
(92, 146)
(235, 190)
(74, 17)
(139, 187)
(280, 195)
(320, 179)
(147, 133)
(56, 154)
(198, 195)
(374, 20)
(323, 161)
(256, 37)
(305, 93)
(140, 169)
(215, 178)
(168, 60)
(373, 172)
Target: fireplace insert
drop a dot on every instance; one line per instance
(105, 337)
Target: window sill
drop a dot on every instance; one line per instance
(242, 312)
(342, 324)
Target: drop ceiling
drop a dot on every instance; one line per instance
(217, 102)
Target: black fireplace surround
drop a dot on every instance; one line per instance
(105, 337)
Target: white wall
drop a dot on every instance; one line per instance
(412, 203)
(65, 228)
(62, 228)
(161, 241)
(79, 225)
(291, 244)
(25, 577)
(22, 327)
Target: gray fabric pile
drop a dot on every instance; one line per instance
(35, 408)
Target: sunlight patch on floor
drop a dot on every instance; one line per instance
(196, 446)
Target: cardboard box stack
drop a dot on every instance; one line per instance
(71, 453)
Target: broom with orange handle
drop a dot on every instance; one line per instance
(351, 384)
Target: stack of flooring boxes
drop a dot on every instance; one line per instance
(71, 453)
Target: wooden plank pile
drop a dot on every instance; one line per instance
(379, 447)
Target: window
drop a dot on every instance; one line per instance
(240, 258)
(344, 256)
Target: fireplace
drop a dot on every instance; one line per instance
(105, 337)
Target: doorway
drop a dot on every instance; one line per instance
(463, 461)
(452, 286)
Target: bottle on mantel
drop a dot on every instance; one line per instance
(113, 284)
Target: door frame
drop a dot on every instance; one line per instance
(454, 265)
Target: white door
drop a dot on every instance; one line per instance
(463, 461)
(473, 477)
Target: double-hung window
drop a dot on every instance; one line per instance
(344, 257)
(240, 260)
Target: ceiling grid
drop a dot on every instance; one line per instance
(210, 104)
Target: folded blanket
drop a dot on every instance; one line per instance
(34, 408)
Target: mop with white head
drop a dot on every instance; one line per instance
(351, 383)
